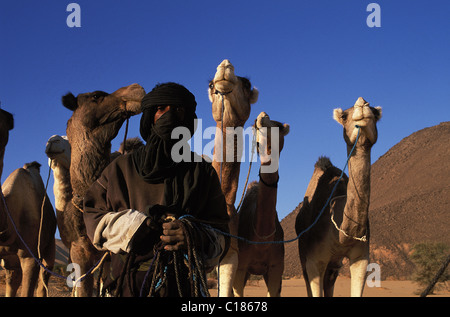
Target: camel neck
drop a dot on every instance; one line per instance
(61, 186)
(356, 209)
(85, 168)
(228, 144)
(226, 162)
(266, 206)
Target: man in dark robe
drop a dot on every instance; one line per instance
(134, 209)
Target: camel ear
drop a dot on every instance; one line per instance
(210, 94)
(285, 129)
(70, 101)
(337, 115)
(254, 95)
(378, 113)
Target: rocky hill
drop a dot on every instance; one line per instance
(61, 253)
(410, 202)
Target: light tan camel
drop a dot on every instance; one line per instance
(58, 152)
(258, 218)
(97, 118)
(24, 192)
(343, 229)
(235, 95)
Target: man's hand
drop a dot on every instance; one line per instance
(173, 236)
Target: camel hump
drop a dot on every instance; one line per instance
(323, 163)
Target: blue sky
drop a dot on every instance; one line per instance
(305, 57)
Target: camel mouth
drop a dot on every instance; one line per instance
(132, 108)
(362, 123)
(132, 95)
(365, 130)
(53, 154)
(224, 86)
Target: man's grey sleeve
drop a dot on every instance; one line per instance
(115, 230)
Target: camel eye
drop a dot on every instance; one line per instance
(211, 85)
(98, 95)
(344, 116)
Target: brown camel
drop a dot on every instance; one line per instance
(258, 218)
(343, 229)
(97, 118)
(38, 233)
(235, 95)
(6, 124)
(58, 152)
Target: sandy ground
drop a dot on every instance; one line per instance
(297, 288)
(290, 288)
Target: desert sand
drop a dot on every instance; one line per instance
(294, 287)
(297, 288)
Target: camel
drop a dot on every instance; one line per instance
(258, 218)
(38, 233)
(343, 229)
(58, 152)
(96, 120)
(235, 95)
(6, 124)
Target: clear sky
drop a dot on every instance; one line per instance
(305, 57)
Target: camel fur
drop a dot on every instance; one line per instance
(58, 151)
(96, 120)
(6, 124)
(258, 218)
(235, 95)
(24, 193)
(323, 247)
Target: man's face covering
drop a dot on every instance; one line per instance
(175, 96)
(164, 126)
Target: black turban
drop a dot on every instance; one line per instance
(164, 95)
(169, 94)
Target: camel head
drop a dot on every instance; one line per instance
(99, 114)
(363, 115)
(58, 151)
(269, 138)
(237, 93)
(6, 124)
(130, 145)
(33, 167)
